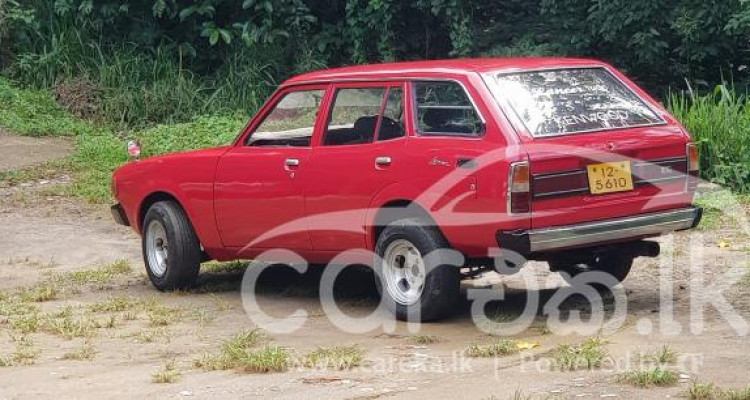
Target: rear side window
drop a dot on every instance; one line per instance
(354, 116)
(291, 122)
(567, 101)
(444, 108)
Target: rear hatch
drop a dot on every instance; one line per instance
(597, 150)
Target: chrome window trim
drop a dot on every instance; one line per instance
(497, 93)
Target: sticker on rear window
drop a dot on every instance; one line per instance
(567, 101)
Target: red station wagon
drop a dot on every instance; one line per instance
(561, 160)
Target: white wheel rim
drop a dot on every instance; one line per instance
(157, 248)
(403, 272)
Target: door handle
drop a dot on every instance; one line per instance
(292, 162)
(383, 161)
(466, 162)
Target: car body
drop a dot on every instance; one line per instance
(493, 153)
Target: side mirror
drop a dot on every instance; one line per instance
(134, 149)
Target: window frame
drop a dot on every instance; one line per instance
(271, 105)
(415, 110)
(364, 84)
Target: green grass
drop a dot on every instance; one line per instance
(650, 378)
(101, 148)
(168, 374)
(86, 352)
(590, 354)
(662, 356)
(719, 123)
(498, 348)
(100, 275)
(242, 353)
(336, 357)
(423, 339)
(114, 304)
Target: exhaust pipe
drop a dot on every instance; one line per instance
(645, 248)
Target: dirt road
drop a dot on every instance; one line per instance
(19, 152)
(86, 346)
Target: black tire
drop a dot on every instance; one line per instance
(441, 287)
(614, 263)
(183, 251)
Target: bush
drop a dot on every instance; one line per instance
(719, 123)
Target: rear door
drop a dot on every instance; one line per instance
(598, 147)
(358, 152)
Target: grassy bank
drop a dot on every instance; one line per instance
(99, 149)
(719, 122)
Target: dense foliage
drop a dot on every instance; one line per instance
(192, 56)
(152, 68)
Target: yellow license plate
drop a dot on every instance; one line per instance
(610, 177)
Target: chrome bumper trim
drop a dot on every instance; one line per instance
(591, 233)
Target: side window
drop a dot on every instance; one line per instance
(354, 116)
(291, 122)
(444, 108)
(392, 123)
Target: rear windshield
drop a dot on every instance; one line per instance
(567, 101)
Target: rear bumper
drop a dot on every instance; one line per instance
(599, 232)
(118, 214)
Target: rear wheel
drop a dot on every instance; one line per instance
(413, 283)
(614, 263)
(171, 250)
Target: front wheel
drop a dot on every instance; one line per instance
(415, 282)
(171, 250)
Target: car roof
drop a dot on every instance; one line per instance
(463, 66)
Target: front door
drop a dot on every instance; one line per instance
(259, 200)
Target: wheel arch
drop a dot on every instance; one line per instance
(152, 199)
(394, 210)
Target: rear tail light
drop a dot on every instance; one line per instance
(693, 159)
(693, 166)
(519, 188)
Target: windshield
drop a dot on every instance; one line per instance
(566, 101)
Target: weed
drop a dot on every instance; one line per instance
(265, 359)
(168, 374)
(700, 391)
(27, 324)
(587, 355)
(497, 348)
(424, 339)
(86, 352)
(39, 293)
(234, 351)
(652, 377)
(736, 394)
(71, 327)
(14, 306)
(113, 304)
(149, 336)
(203, 316)
(665, 355)
(163, 316)
(25, 354)
(336, 357)
(221, 304)
(102, 274)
